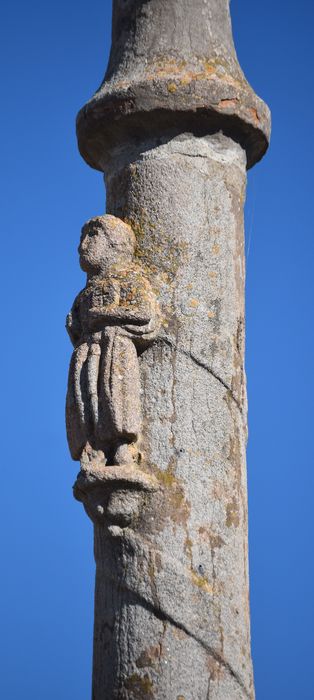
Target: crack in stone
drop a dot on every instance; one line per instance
(203, 365)
(192, 155)
(165, 617)
(154, 608)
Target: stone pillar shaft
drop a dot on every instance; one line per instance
(178, 603)
(174, 127)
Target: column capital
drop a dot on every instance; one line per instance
(172, 68)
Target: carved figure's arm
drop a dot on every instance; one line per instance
(117, 314)
(73, 324)
(136, 308)
(148, 311)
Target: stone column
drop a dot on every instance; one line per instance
(174, 127)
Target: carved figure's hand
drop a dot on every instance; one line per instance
(73, 327)
(150, 328)
(118, 314)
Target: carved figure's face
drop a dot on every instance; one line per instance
(94, 250)
(105, 241)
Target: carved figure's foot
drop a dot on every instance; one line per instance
(91, 458)
(125, 454)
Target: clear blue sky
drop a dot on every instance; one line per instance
(54, 57)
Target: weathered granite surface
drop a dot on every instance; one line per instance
(112, 318)
(171, 529)
(172, 65)
(157, 394)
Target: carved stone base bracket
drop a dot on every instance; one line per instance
(115, 495)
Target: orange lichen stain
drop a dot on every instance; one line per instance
(180, 697)
(185, 80)
(165, 477)
(208, 67)
(141, 686)
(215, 249)
(214, 669)
(214, 69)
(179, 634)
(176, 506)
(215, 541)
(228, 104)
(211, 314)
(201, 582)
(193, 303)
(157, 253)
(213, 274)
(253, 113)
(188, 547)
(233, 517)
(149, 657)
(121, 84)
(165, 65)
(218, 490)
(171, 87)
(206, 72)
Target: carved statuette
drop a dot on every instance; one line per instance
(113, 319)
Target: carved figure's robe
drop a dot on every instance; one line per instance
(109, 321)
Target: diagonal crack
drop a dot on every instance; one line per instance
(165, 617)
(203, 365)
(137, 598)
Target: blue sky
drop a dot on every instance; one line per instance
(54, 57)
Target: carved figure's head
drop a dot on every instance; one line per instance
(106, 241)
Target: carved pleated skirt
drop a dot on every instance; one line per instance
(103, 397)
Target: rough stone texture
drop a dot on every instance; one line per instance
(174, 127)
(171, 603)
(112, 318)
(184, 199)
